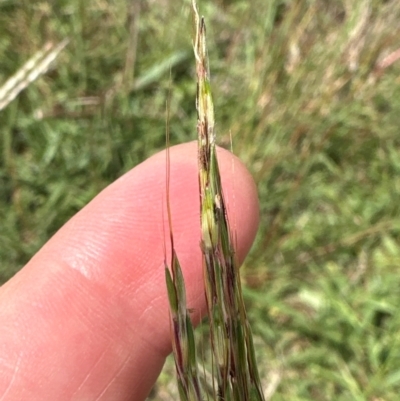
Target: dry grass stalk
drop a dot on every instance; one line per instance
(233, 359)
(36, 66)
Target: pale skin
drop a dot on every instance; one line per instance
(87, 317)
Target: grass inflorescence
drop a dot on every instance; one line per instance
(233, 359)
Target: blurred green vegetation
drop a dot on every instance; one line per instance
(310, 92)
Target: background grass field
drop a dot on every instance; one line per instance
(310, 92)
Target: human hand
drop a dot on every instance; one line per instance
(88, 317)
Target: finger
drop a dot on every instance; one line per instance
(87, 318)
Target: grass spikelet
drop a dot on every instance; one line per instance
(183, 338)
(233, 359)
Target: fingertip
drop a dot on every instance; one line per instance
(100, 280)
